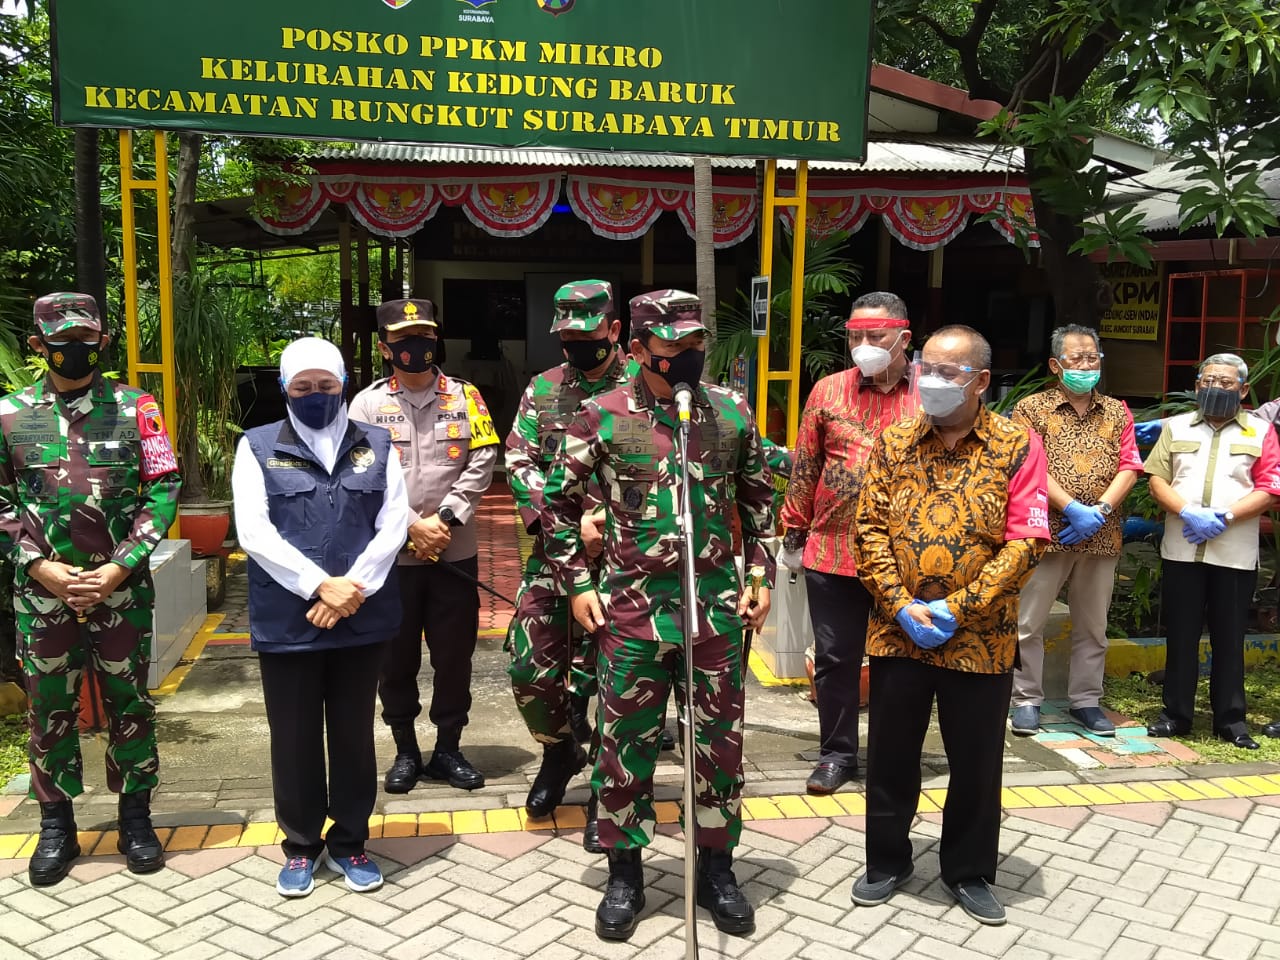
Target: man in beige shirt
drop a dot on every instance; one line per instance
(443, 432)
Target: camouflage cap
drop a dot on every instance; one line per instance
(667, 314)
(56, 312)
(582, 305)
(398, 314)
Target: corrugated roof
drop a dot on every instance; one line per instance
(1157, 192)
(921, 154)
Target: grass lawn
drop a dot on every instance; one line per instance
(1136, 698)
(13, 747)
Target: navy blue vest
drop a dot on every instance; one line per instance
(329, 517)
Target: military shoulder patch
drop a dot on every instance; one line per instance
(157, 452)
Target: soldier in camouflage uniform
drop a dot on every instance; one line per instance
(625, 440)
(546, 661)
(88, 487)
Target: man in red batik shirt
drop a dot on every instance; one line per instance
(845, 414)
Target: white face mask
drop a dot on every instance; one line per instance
(871, 360)
(939, 397)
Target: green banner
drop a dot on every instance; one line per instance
(761, 78)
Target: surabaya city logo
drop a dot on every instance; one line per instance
(555, 7)
(397, 4)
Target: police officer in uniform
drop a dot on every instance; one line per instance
(546, 663)
(448, 447)
(88, 487)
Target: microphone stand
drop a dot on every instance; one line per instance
(689, 589)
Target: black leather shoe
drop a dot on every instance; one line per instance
(560, 762)
(1272, 729)
(718, 891)
(619, 911)
(138, 841)
(579, 722)
(591, 832)
(977, 900)
(406, 769)
(828, 777)
(1241, 740)
(57, 847)
(871, 893)
(666, 740)
(452, 766)
(1166, 728)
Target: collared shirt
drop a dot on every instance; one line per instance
(966, 525)
(447, 447)
(1214, 467)
(1084, 452)
(842, 419)
(626, 440)
(284, 562)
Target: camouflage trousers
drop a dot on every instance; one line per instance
(550, 660)
(52, 647)
(635, 679)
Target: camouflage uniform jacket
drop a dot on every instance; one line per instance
(552, 399)
(626, 439)
(85, 482)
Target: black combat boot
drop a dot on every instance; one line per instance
(560, 761)
(718, 892)
(138, 841)
(57, 847)
(406, 769)
(579, 724)
(618, 912)
(591, 832)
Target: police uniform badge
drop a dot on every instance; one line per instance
(455, 451)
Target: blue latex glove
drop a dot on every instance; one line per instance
(943, 619)
(1149, 432)
(924, 637)
(1069, 535)
(1200, 524)
(1086, 521)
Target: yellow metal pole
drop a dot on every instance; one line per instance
(129, 237)
(797, 301)
(768, 217)
(168, 372)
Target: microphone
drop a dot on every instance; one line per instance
(683, 394)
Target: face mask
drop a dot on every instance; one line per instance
(587, 354)
(73, 360)
(939, 397)
(1218, 402)
(871, 360)
(684, 367)
(413, 354)
(316, 410)
(1080, 381)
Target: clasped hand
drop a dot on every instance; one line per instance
(928, 625)
(339, 597)
(1081, 522)
(1201, 524)
(79, 589)
(429, 537)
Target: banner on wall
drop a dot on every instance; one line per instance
(1134, 313)
(705, 78)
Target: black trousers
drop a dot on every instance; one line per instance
(838, 609)
(308, 696)
(447, 609)
(972, 708)
(1196, 594)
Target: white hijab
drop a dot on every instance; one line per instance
(312, 353)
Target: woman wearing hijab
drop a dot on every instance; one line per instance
(321, 511)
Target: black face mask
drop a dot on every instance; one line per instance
(1218, 402)
(684, 367)
(316, 410)
(587, 354)
(73, 360)
(413, 354)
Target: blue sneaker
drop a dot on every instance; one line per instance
(1093, 720)
(361, 873)
(1026, 720)
(295, 878)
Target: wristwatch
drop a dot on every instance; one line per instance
(1228, 516)
(1105, 508)
(448, 516)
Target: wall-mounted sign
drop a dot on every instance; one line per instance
(729, 77)
(1136, 292)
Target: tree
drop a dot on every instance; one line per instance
(704, 241)
(1207, 71)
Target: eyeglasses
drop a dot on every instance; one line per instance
(1226, 383)
(947, 371)
(301, 388)
(1088, 359)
